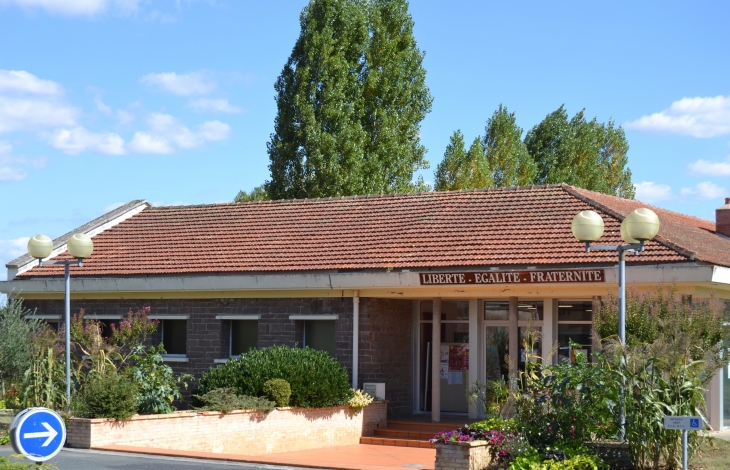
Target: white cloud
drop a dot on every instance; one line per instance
(11, 166)
(78, 139)
(147, 143)
(24, 82)
(650, 192)
(124, 117)
(76, 7)
(167, 134)
(11, 249)
(9, 173)
(28, 114)
(194, 83)
(705, 190)
(709, 168)
(103, 107)
(699, 117)
(216, 105)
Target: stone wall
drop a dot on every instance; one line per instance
(384, 340)
(238, 432)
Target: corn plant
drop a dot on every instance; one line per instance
(44, 383)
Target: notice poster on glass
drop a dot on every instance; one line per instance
(444, 371)
(444, 363)
(459, 356)
(456, 377)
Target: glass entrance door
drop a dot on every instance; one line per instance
(453, 355)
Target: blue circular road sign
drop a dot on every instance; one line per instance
(38, 434)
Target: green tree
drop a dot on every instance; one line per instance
(16, 331)
(396, 99)
(350, 100)
(580, 152)
(258, 193)
(462, 169)
(506, 154)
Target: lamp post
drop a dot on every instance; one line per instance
(638, 227)
(79, 246)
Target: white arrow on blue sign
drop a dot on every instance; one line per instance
(38, 434)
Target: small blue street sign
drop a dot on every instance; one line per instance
(38, 434)
(694, 423)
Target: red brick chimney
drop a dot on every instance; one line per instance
(722, 218)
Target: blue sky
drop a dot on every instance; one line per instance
(105, 101)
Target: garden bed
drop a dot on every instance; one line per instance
(238, 432)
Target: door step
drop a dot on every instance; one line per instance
(407, 434)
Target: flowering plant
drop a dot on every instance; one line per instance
(110, 353)
(505, 444)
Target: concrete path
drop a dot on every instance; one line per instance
(355, 457)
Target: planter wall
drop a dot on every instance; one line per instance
(238, 432)
(475, 455)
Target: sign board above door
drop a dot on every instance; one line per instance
(530, 276)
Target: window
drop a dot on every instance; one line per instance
(174, 336)
(52, 321)
(319, 331)
(243, 334)
(320, 335)
(575, 324)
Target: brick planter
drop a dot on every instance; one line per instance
(238, 432)
(475, 455)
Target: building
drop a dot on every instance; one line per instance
(361, 277)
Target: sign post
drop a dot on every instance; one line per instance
(683, 423)
(38, 434)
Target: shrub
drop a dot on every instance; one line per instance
(277, 390)
(110, 354)
(359, 401)
(495, 424)
(315, 378)
(225, 400)
(110, 396)
(17, 327)
(158, 386)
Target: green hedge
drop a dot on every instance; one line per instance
(316, 380)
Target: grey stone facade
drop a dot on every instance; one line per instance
(384, 341)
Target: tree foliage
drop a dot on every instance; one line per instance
(507, 155)
(575, 151)
(350, 100)
(580, 152)
(461, 168)
(258, 193)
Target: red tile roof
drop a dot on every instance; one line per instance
(495, 227)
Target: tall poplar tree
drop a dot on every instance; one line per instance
(350, 100)
(318, 141)
(461, 168)
(580, 152)
(506, 154)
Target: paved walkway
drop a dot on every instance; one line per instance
(355, 457)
